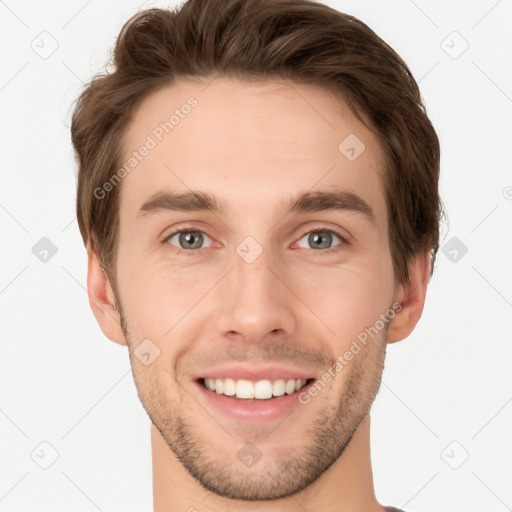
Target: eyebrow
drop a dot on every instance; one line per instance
(337, 199)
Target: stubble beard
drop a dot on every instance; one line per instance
(322, 443)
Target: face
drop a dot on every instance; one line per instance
(254, 298)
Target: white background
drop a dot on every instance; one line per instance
(62, 382)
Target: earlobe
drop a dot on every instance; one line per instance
(102, 299)
(412, 297)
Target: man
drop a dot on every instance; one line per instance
(258, 195)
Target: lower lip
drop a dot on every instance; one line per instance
(255, 409)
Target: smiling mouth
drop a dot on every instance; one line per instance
(242, 389)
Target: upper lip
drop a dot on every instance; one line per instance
(255, 373)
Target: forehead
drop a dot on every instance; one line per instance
(249, 144)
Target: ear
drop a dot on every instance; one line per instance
(102, 299)
(412, 297)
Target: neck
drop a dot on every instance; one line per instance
(347, 486)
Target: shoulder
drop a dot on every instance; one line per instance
(393, 509)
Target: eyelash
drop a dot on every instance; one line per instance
(318, 229)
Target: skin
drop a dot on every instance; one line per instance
(251, 145)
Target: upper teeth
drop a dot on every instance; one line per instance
(261, 389)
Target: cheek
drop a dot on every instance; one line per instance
(345, 294)
(349, 301)
(151, 299)
(162, 303)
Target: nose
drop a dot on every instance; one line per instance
(255, 300)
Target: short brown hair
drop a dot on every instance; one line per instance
(300, 40)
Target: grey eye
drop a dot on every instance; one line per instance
(320, 239)
(189, 239)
